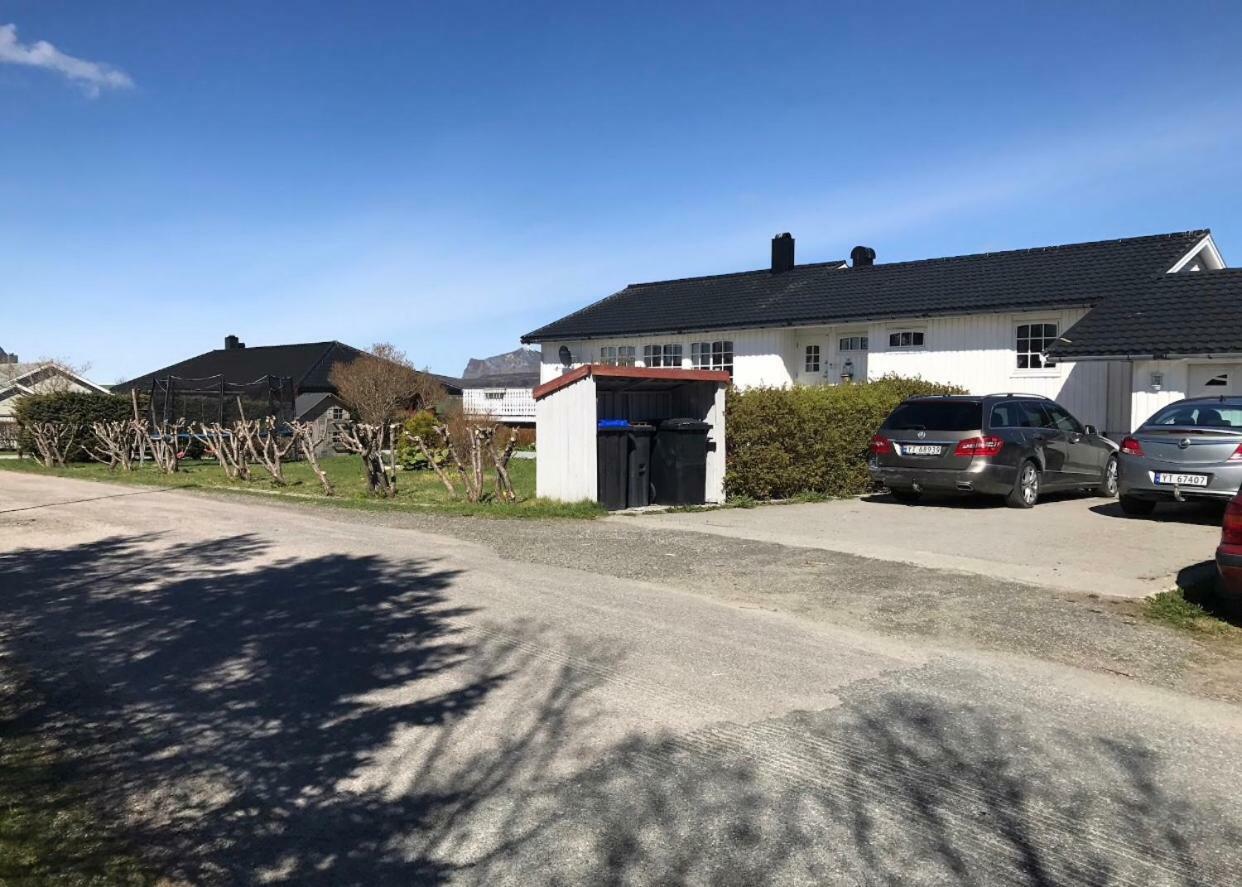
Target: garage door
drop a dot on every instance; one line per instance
(1207, 379)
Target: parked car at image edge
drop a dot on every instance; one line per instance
(1010, 445)
(1191, 449)
(1229, 553)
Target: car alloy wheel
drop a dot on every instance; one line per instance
(1029, 484)
(1110, 477)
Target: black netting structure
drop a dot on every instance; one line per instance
(213, 399)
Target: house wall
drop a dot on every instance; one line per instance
(977, 352)
(504, 404)
(566, 467)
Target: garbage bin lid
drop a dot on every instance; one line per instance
(614, 423)
(684, 425)
(642, 428)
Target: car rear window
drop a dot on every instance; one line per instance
(1199, 415)
(947, 415)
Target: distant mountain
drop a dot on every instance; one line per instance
(522, 360)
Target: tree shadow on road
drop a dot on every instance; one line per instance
(296, 719)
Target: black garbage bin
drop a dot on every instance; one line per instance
(639, 485)
(612, 437)
(679, 462)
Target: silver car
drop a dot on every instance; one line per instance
(1191, 449)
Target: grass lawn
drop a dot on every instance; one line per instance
(416, 490)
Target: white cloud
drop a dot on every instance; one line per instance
(91, 76)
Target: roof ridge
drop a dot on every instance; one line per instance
(732, 274)
(1200, 233)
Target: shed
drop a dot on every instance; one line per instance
(569, 407)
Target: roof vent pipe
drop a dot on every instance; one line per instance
(862, 256)
(782, 252)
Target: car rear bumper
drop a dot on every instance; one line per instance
(980, 476)
(1229, 564)
(1135, 479)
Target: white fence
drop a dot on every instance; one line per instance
(504, 404)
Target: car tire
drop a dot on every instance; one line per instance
(1025, 492)
(1108, 486)
(1137, 507)
(904, 495)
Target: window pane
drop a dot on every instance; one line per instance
(918, 338)
(1024, 361)
(864, 345)
(894, 340)
(1024, 331)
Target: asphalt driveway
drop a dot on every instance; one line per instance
(1070, 543)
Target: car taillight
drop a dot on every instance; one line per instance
(881, 446)
(979, 446)
(1131, 447)
(1237, 454)
(1231, 530)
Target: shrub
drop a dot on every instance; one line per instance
(70, 408)
(421, 424)
(787, 442)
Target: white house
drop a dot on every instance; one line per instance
(506, 397)
(985, 322)
(18, 380)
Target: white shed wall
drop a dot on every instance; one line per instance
(566, 467)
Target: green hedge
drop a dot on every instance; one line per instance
(81, 408)
(783, 442)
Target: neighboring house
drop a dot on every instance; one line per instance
(309, 365)
(984, 322)
(18, 380)
(505, 397)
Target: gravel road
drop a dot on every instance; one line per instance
(314, 696)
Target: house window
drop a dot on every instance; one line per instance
(712, 355)
(662, 355)
(852, 343)
(811, 362)
(1221, 381)
(906, 339)
(494, 395)
(337, 414)
(1033, 340)
(617, 355)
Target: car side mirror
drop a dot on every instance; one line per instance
(1091, 431)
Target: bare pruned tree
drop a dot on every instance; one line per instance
(471, 445)
(269, 446)
(310, 436)
(166, 446)
(113, 444)
(54, 441)
(229, 446)
(372, 442)
(382, 384)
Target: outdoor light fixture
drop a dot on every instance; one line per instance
(1157, 381)
(847, 371)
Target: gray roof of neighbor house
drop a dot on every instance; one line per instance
(307, 364)
(831, 292)
(1168, 315)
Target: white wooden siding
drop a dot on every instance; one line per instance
(566, 467)
(977, 352)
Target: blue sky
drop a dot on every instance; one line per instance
(450, 176)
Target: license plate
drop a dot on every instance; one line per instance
(920, 450)
(1182, 480)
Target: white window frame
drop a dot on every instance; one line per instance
(812, 359)
(912, 332)
(846, 341)
(717, 355)
(663, 354)
(1045, 368)
(617, 355)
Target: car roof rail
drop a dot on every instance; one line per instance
(1019, 394)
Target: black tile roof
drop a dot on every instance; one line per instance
(1189, 313)
(830, 292)
(307, 363)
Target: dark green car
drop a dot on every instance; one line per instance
(1010, 445)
